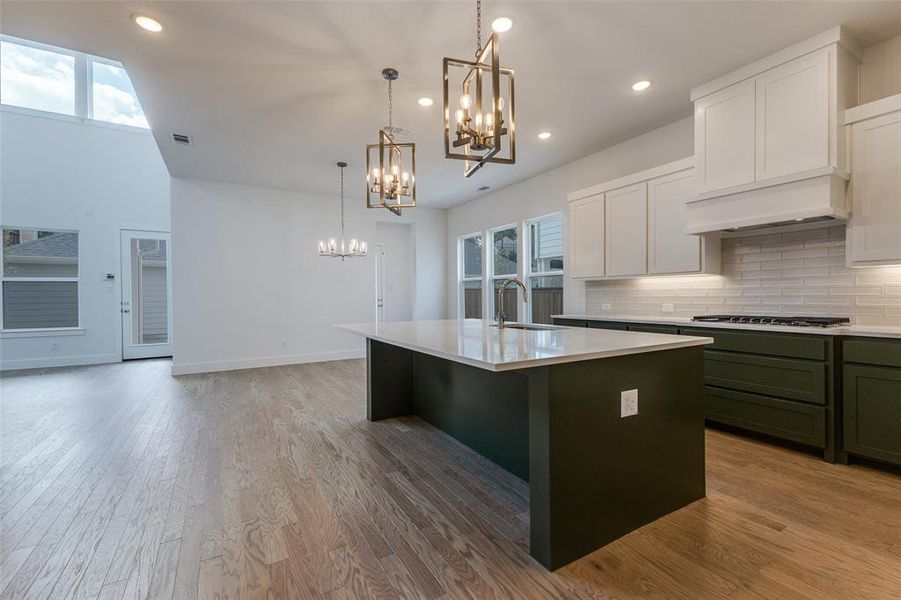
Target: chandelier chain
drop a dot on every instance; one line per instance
(390, 108)
(342, 203)
(478, 27)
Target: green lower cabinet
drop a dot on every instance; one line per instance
(785, 419)
(570, 322)
(872, 412)
(669, 329)
(607, 325)
(789, 378)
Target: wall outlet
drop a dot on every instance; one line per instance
(668, 308)
(605, 307)
(54, 346)
(628, 403)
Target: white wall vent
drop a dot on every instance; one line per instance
(180, 138)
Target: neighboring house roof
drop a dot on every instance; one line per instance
(57, 245)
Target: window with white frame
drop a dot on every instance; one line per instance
(504, 263)
(471, 259)
(40, 279)
(49, 79)
(544, 272)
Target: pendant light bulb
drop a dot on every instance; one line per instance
(465, 101)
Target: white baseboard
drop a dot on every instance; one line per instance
(58, 361)
(264, 361)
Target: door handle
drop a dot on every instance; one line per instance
(126, 310)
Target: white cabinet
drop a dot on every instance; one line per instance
(626, 231)
(635, 226)
(670, 249)
(586, 235)
(792, 122)
(874, 231)
(769, 146)
(725, 137)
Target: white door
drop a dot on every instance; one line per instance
(670, 249)
(626, 238)
(793, 117)
(146, 294)
(394, 272)
(586, 234)
(725, 137)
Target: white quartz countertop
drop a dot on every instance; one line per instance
(861, 330)
(481, 344)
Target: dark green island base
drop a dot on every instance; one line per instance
(593, 475)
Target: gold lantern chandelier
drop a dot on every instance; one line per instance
(334, 248)
(391, 165)
(481, 129)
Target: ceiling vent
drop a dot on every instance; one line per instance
(180, 138)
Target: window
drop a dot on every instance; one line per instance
(505, 264)
(545, 272)
(37, 78)
(113, 98)
(40, 279)
(49, 79)
(471, 276)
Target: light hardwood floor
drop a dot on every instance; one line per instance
(120, 481)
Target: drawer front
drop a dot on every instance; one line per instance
(872, 351)
(670, 329)
(872, 412)
(785, 419)
(607, 325)
(789, 345)
(571, 322)
(769, 376)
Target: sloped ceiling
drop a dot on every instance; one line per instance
(274, 93)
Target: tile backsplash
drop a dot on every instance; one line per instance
(798, 272)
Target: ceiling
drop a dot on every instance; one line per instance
(274, 93)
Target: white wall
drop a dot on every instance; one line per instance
(250, 290)
(61, 173)
(546, 193)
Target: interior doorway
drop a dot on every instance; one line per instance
(146, 294)
(394, 272)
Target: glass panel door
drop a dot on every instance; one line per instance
(146, 295)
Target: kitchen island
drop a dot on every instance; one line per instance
(546, 404)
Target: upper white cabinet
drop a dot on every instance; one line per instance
(586, 235)
(635, 226)
(724, 137)
(874, 231)
(626, 239)
(670, 249)
(792, 122)
(769, 141)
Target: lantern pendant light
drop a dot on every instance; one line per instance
(479, 129)
(390, 165)
(334, 248)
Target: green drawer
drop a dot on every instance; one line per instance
(770, 376)
(571, 322)
(872, 351)
(607, 325)
(790, 345)
(670, 329)
(872, 412)
(785, 419)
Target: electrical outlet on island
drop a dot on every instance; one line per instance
(628, 401)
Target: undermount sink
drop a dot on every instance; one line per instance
(527, 326)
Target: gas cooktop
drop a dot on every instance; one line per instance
(764, 320)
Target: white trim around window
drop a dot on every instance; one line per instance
(527, 254)
(462, 278)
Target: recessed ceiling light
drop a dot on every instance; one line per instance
(145, 22)
(544, 135)
(426, 101)
(640, 86)
(502, 24)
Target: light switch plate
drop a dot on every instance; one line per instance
(628, 403)
(668, 308)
